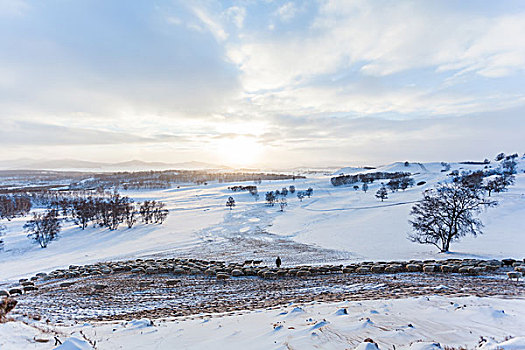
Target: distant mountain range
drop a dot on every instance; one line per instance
(75, 164)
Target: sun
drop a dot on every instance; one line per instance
(239, 151)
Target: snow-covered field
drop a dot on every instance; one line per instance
(424, 323)
(336, 223)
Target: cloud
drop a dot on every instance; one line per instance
(13, 8)
(237, 15)
(330, 80)
(287, 11)
(214, 26)
(375, 140)
(34, 133)
(380, 40)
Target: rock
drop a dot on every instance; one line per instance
(137, 270)
(29, 288)
(66, 284)
(27, 283)
(4, 293)
(348, 269)
(171, 283)
(508, 262)
(178, 271)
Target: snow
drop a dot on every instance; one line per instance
(511, 344)
(422, 323)
(355, 225)
(74, 344)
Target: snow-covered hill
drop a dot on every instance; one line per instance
(336, 223)
(420, 323)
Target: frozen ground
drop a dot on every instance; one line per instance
(423, 323)
(336, 224)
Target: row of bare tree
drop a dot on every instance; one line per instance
(108, 212)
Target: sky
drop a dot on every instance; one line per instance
(262, 83)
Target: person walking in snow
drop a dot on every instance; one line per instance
(278, 262)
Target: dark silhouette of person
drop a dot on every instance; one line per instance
(278, 262)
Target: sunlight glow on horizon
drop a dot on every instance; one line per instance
(261, 83)
(239, 151)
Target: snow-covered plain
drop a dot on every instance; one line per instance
(423, 323)
(348, 224)
(336, 223)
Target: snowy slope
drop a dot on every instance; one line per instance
(424, 323)
(336, 218)
(342, 218)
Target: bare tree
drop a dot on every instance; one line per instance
(499, 184)
(13, 206)
(83, 212)
(406, 182)
(283, 203)
(2, 232)
(230, 203)
(146, 211)
(43, 227)
(159, 213)
(130, 214)
(382, 193)
(270, 198)
(446, 214)
(309, 192)
(499, 157)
